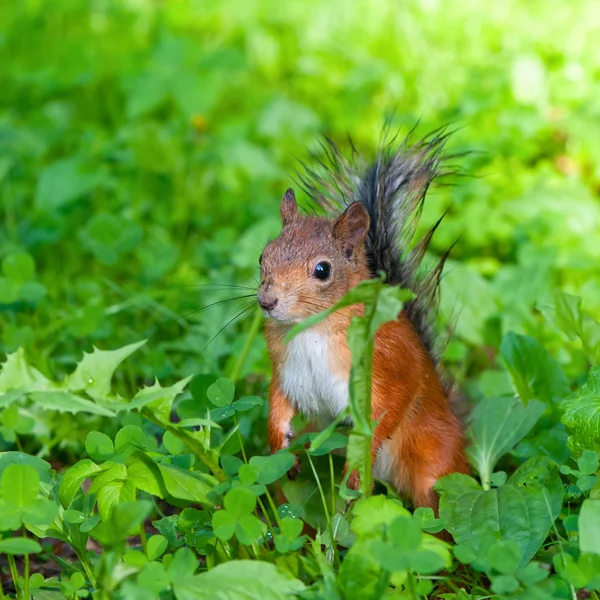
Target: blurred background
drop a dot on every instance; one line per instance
(144, 148)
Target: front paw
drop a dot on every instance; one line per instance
(295, 470)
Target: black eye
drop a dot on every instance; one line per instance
(322, 271)
(260, 258)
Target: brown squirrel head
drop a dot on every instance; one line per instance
(313, 262)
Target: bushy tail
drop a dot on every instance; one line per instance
(393, 190)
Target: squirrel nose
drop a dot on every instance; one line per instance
(267, 302)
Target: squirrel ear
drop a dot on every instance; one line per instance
(289, 207)
(351, 228)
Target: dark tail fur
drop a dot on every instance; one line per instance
(393, 190)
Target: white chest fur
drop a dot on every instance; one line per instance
(307, 378)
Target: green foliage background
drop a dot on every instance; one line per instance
(144, 147)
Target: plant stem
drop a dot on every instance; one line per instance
(241, 439)
(263, 508)
(273, 508)
(12, 565)
(26, 577)
(252, 333)
(194, 445)
(411, 586)
(332, 476)
(144, 539)
(86, 566)
(327, 516)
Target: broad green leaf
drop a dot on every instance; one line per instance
(156, 547)
(239, 579)
(20, 485)
(183, 565)
(522, 510)
(535, 374)
(240, 501)
(145, 475)
(173, 444)
(187, 485)
(271, 468)
(247, 403)
(582, 414)
(361, 576)
(19, 267)
(130, 439)
(94, 373)
(589, 526)
(66, 402)
(73, 478)
(223, 524)
(124, 520)
(248, 474)
(20, 458)
(563, 311)
(588, 462)
(19, 546)
(63, 182)
(112, 494)
(248, 529)
(221, 392)
(497, 425)
(373, 515)
(99, 446)
(111, 471)
(16, 374)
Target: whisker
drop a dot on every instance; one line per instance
(236, 316)
(198, 310)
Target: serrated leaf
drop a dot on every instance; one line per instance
(497, 425)
(66, 402)
(94, 373)
(17, 374)
(158, 399)
(582, 414)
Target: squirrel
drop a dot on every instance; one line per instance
(372, 211)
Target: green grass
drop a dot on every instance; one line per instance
(144, 148)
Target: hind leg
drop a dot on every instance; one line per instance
(427, 450)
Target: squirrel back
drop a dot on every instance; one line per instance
(393, 190)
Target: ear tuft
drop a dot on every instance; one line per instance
(289, 207)
(351, 228)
